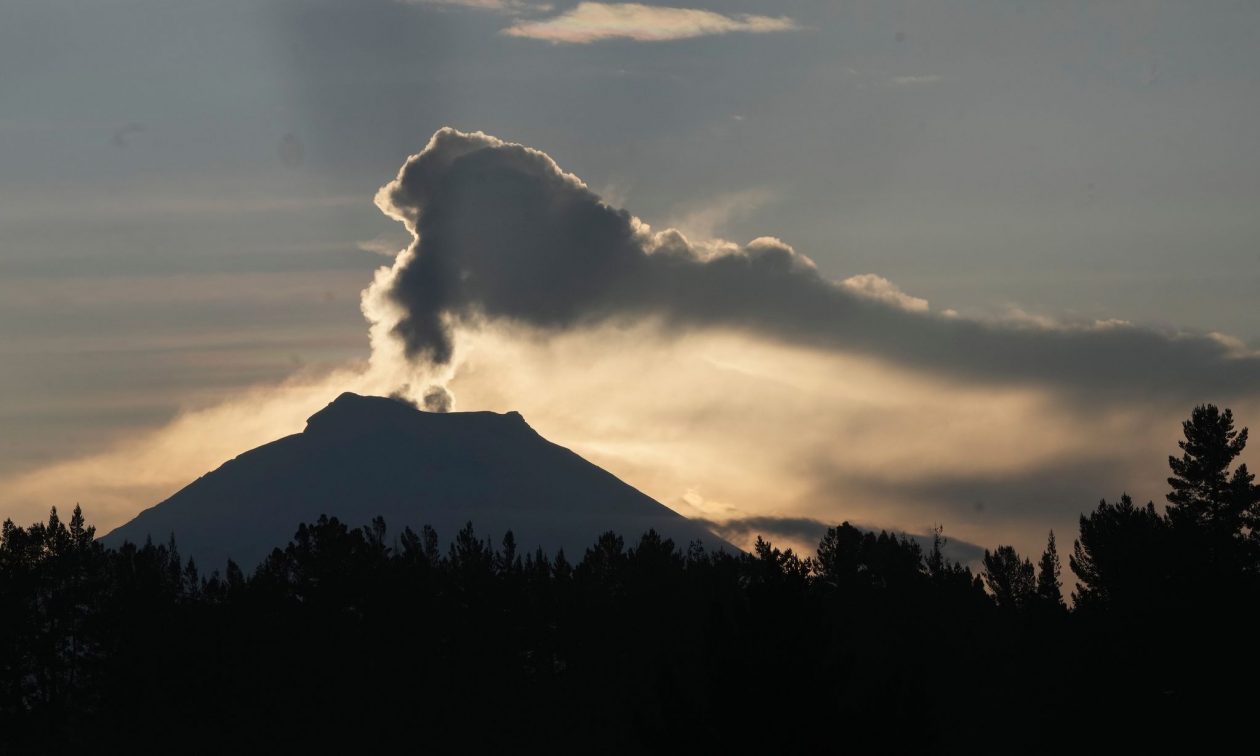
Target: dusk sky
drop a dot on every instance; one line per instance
(966, 263)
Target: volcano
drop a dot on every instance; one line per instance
(362, 457)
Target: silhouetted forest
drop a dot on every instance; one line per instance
(359, 638)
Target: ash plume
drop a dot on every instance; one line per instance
(503, 234)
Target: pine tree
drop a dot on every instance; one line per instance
(561, 570)
(429, 539)
(935, 559)
(82, 535)
(507, 561)
(1121, 557)
(1203, 492)
(839, 554)
(1049, 588)
(233, 577)
(1009, 577)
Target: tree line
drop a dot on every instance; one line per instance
(354, 638)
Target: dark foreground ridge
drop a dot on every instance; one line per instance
(363, 640)
(363, 457)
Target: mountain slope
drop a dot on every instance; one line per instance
(361, 457)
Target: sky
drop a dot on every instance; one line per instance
(966, 263)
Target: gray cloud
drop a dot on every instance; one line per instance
(291, 150)
(504, 234)
(792, 528)
(810, 530)
(122, 135)
(1058, 490)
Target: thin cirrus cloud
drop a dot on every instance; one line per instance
(922, 80)
(592, 22)
(498, 6)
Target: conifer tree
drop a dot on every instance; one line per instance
(1009, 577)
(1049, 587)
(1203, 491)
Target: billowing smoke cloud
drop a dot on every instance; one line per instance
(437, 399)
(433, 399)
(503, 234)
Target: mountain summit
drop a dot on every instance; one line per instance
(363, 456)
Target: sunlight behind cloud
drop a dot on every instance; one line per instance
(714, 424)
(591, 22)
(726, 380)
(883, 290)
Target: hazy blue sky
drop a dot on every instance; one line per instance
(186, 187)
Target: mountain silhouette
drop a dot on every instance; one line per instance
(361, 457)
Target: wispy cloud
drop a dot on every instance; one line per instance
(921, 81)
(805, 532)
(706, 220)
(591, 22)
(882, 290)
(498, 6)
(383, 244)
(864, 78)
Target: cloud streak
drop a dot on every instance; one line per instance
(806, 532)
(497, 6)
(921, 80)
(592, 22)
(503, 234)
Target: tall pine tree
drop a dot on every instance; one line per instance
(1203, 491)
(1049, 588)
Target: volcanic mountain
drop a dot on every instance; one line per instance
(361, 457)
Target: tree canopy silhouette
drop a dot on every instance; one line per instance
(1204, 493)
(643, 644)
